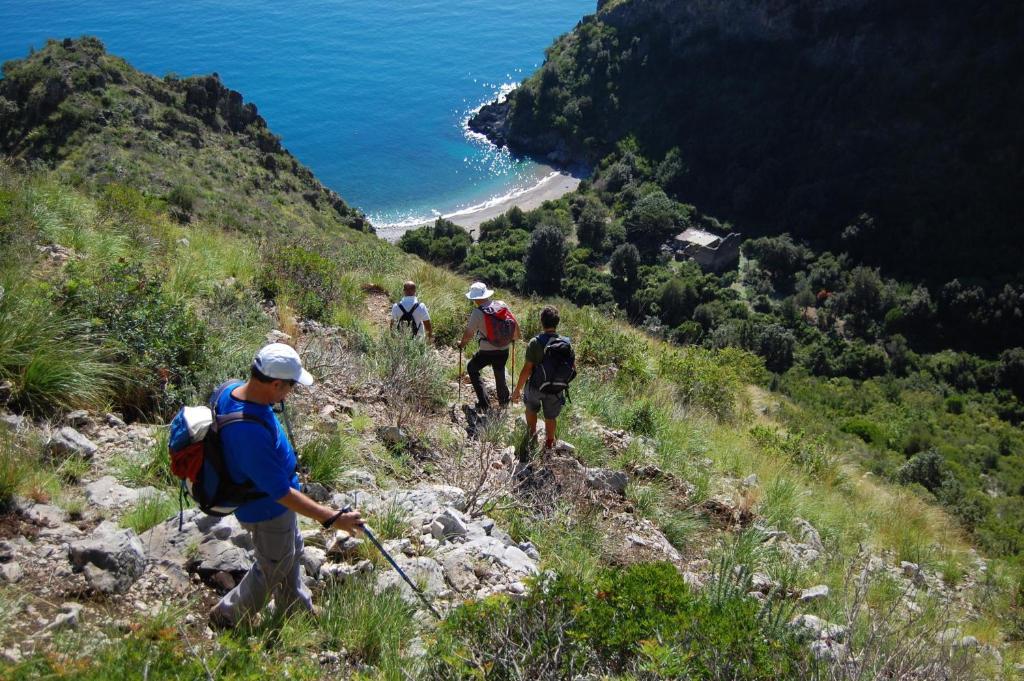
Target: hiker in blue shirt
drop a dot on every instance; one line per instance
(259, 452)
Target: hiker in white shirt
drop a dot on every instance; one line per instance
(411, 315)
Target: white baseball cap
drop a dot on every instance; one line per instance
(479, 290)
(280, 361)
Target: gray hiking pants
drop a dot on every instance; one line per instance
(275, 572)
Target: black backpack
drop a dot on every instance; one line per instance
(407, 318)
(554, 374)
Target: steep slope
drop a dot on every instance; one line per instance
(192, 141)
(800, 116)
(108, 294)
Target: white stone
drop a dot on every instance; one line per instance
(11, 573)
(68, 618)
(69, 441)
(312, 559)
(815, 593)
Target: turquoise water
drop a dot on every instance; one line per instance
(372, 95)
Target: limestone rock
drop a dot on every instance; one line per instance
(78, 419)
(11, 573)
(46, 515)
(117, 558)
(809, 535)
(316, 492)
(342, 571)
(358, 478)
(424, 572)
(458, 570)
(811, 626)
(67, 442)
(312, 559)
(448, 525)
(393, 437)
(107, 492)
(815, 593)
(115, 421)
(607, 480)
(68, 618)
(13, 422)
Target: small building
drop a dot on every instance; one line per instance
(712, 252)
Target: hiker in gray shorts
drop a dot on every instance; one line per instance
(534, 400)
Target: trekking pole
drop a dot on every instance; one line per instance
(460, 375)
(369, 535)
(288, 427)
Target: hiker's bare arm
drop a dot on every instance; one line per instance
(523, 376)
(429, 328)
(466, 337)
(303, 505)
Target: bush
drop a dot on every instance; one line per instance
(444, 243)
(927, 469)
(865, 429)
(52, 360)
(642, 619)
(373, 628)
(326, 457)
(654, 219)
(149, 511)
(410, 374)
(161, 339)
(14, 470)
(312, 282)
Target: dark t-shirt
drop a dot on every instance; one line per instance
(535, 348)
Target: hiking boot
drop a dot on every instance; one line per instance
(218, 621)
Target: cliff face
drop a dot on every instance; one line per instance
(800, 116)
(74, 106)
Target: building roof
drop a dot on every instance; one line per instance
(697, 236)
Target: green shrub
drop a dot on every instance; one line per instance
(51, 358)
(149, 511)
(812, 454)
(14, 469)
(643, 618)
(183, 197)
(161, 339)
(642, 417)
(150, 467)
(865, 429)
(325, 458)
(411, 374)
(311, 281)
(375, 629)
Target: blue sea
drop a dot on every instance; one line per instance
(372, 95)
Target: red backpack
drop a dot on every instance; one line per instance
(499, 323)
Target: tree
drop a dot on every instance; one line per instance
(677, 299)
(592, 224)
(545, 260)
(625, 266)
(1010, 371)
(654, 219)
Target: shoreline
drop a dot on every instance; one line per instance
(554, 185)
